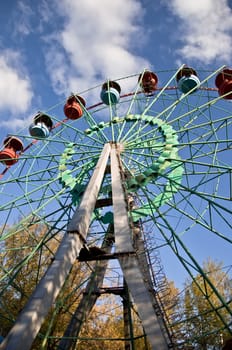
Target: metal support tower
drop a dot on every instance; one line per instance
(32, 316)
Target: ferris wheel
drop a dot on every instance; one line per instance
(144, 169)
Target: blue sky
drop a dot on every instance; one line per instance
(50, 48)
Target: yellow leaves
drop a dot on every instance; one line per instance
(206, 304)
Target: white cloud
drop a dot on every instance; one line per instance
(97, 43)
(22, 19)
(17, 124)
(28, 18)
(56, 62)
(15, 88)
(205, 29)
(45, 15)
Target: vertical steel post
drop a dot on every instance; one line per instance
(127, 316)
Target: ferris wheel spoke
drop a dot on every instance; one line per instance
(102, 136)
(211, 206)
(203, 218)
(194, 264)
(131, 131)
(160, 94)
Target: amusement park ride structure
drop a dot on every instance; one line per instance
(147, 161)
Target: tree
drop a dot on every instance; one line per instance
(28, 250)
(21, 268)
(207, 307)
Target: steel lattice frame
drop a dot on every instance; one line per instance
(175, 157)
